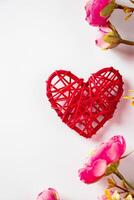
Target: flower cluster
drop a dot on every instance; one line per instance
(105, 161)
(98, 13)
(114, 195)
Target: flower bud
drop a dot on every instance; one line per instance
(109, 38)
(49, 194)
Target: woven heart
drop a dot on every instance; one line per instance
(85, 106)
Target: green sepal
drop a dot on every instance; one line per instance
(111, 168)
(107, 11)
(112, 38)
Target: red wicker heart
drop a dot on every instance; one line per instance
(85, 106)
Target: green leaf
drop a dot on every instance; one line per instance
(107, 11)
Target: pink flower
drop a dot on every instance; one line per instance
(93, 11)
(108, 153)
(108, 38)
(49, 194)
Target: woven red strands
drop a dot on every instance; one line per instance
(85, 106)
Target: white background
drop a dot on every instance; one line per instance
(37, 150)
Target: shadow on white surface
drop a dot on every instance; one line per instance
(126, 168)
(125, 52)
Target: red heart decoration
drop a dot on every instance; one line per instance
(85, 106)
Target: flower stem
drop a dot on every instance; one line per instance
(127, 42)
(124, 7)
(121, 188)
(125, 156)
(124, 190)
(121, 177)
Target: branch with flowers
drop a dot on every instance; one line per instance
(98, 13)
(105, 161)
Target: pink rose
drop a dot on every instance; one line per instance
(108, 38)
(108, 153)
(93, 12)
(49, 194)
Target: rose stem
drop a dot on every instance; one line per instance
(127, 42)
(121, 177)
(124, 190)
(121, 188)
(122, 7)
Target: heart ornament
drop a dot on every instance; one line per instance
(85, 106)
